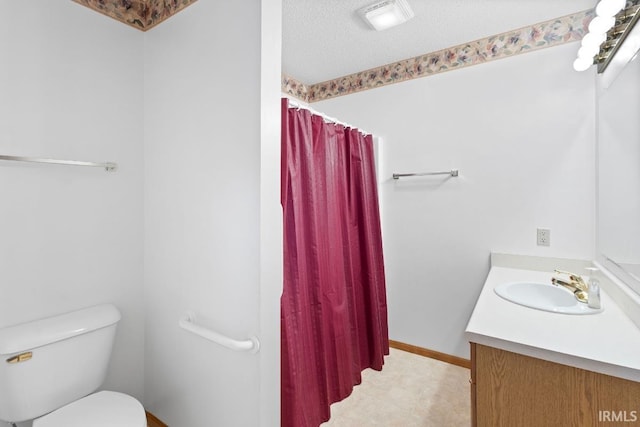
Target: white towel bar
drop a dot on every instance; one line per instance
(452, 172)
(108, 166)
(187, 322)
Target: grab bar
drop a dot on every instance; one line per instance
(452, 172)
(187, 322)
(108, 166)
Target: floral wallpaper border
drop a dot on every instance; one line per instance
(140, 14)
(538, 36)
(295, 88)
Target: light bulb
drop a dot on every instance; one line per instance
(601, 24)
(593, 39)
(582, 64)
(588, 51)
(608, 8)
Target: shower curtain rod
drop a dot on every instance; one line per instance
(297, 105)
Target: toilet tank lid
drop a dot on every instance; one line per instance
(34, 334)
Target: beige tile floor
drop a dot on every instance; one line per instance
(410, 391)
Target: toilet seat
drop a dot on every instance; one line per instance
(102, 409)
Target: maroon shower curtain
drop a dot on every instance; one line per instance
(333, 306)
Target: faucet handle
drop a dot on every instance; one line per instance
(574, 277)
(568, 273)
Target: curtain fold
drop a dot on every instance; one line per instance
(333, 306)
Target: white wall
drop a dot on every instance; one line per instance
(203, 215)
(77, 85)
(521, 131)
(271, 228)
(71, 237)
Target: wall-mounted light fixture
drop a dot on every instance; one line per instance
(619, 41)
(613, 21)
(386, 14)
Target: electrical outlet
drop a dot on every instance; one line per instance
(544, 237)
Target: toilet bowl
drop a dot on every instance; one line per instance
(51, 368)
(102, 409)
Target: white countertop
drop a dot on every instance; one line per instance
(607, 342)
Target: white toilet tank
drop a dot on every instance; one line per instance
(51, 362)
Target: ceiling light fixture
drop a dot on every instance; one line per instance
(386, 14)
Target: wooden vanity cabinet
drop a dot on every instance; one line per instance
(513, 390)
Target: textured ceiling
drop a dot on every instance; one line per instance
(326, 39)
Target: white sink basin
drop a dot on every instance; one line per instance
(543, 296)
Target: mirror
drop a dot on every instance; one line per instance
(618, 157)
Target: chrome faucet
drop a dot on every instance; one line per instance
(574, 283)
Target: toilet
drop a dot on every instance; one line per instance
(51, 368)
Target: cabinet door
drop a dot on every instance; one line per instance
(472, 381)
(513, 390)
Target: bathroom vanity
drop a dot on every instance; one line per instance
(539, 368)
